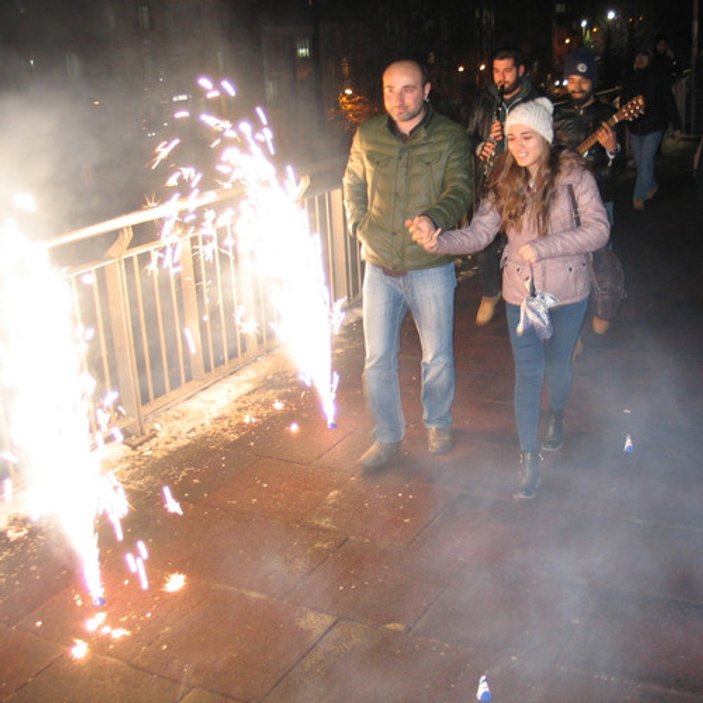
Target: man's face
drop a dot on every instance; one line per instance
(404, 94)
(580, 89)
(641, 61)
(506, 75)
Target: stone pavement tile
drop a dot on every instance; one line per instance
(345, 454)
(385, 507)
(630, 492)
(382, 586)
(295, 434)
(32, 568)
(474, 358)
(653, 641)
(96, 678)
(535, 682)
(608, 552)
(489, 383)
(200, 470)
(277, 489)
(234, 644)
(496, 531)
(498, 614)
(22, 657)
(485, 421)
(197, 695)
(130, 619)
(358, 664)
(237, 550)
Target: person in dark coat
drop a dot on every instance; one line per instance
(647, 131)
(582, 116)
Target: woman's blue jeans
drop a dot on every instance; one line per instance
(534, 359)
(644, 149)
(429, 296)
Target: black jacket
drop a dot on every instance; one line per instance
(572, 125)
(659, 104)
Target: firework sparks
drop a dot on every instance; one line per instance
(50, 397)
(268, 231)
(174, 582)
(172, 505)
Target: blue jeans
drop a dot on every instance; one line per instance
(644, 149)
(534, 358)
(429, 296)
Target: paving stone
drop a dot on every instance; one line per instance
(22, 657)
(499, 614)
(655, 641)
(382, 586)
(277, 489)
(366, 665)
(384, 508)
(235, 644)
(94, 679)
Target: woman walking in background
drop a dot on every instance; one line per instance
(547, 203)
(647, 131)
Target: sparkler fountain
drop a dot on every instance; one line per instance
(269, 230)
(46, 398)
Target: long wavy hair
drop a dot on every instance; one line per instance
(509, 186)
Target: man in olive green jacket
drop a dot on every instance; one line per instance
(412, 161)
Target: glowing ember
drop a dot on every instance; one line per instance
(172, 505)
(79, 649)
(174, 582)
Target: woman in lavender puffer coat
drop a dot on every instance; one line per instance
(550, 235)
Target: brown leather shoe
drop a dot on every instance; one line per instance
(651, 193)
(486, 310)
(638, 205)
(600, 326)
(439, 440)
(378, 454)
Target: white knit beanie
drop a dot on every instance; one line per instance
(536, 114)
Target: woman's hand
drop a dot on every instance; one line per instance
(424, 232)
(527, 252)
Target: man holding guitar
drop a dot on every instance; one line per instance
(585, 120)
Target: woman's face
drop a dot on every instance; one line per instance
(527, 147)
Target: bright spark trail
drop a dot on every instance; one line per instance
(47, 405)
(268, 229)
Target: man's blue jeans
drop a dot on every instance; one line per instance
(644, 149)
(429, 296)
(534, 358)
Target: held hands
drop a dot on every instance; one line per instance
(424, 232)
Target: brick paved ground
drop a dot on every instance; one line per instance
(309, 581)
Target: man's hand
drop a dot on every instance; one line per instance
(607, 138)
(424, 232)
(489, 146)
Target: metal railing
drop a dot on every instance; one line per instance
(166, 315)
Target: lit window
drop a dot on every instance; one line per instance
(303, 48)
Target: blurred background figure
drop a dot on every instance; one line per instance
(647, 131)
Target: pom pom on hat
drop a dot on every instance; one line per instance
(535, 114)
(581, 63)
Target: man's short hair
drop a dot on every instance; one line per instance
(509, 52)
(424, 72)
